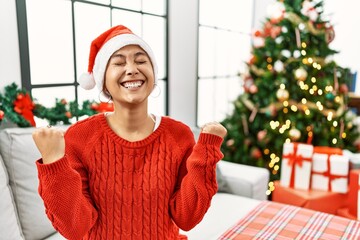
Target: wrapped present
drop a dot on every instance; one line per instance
(354, 159)
(354, 193)
(322, 201)
(330, 170)
(296, 165)
(344, 212)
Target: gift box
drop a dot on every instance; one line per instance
(354, 193)
(345, 212)
(296, 165)
(330, 170)
(317, 200)
(354, 159)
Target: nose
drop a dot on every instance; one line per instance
(131, 69)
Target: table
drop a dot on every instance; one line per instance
(272, 220)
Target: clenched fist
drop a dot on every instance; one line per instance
(214, 128)
(50, 142)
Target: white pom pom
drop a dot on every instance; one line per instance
(87, 81)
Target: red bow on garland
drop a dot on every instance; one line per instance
(2, 114)
(103, 107)
(24, 106)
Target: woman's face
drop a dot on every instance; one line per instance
(129, 76)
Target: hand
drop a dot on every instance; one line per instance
(214, 128)
(50, 142)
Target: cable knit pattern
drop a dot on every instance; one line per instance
(108, 188)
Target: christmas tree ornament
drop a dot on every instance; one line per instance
(329, 34)
(230, 142)
(300, 74)
(344, 88)
(271, 110)
(276, 11)
(279, 66)
(330, 96)
(252, 59)
(336, 80)
(253, 89)
(294, 134)
(282, 95)
(308, 9)
(297, 37)
(245, 124)
(258, 42)
(248, 82)
(296, 54)
(261, 135)
(301, 26)
(256, 153)
(247, 142)
(253, 114)
(279, 40)
(286, 53)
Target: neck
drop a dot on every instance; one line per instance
(131, 124)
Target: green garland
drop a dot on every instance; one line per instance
(18, 107)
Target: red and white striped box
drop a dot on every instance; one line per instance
(330, 170)
(354, 193)
(296, 165)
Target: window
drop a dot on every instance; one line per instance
(224, 46)
(55, 38)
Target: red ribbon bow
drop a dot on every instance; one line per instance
(24, 106)
(103, 107)
(329, 151)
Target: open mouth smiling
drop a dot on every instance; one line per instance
(132, 84)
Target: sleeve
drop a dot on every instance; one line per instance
(197, 182)
(63, 186)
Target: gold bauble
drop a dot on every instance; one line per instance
(300, 74)
(294, 134)
(282, 95)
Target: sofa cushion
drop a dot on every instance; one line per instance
(244, 180)
(19, 154)
(9, 225)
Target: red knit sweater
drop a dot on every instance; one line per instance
(108, 188)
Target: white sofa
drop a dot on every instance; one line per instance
(23, 214)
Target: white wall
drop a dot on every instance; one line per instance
(183, 31)
(345, 17)
(9, 47)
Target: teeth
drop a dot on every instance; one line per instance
(132, 84)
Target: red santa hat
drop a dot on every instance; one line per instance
(103, 47)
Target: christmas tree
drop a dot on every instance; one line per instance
(293, 89)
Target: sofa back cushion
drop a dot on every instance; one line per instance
(9, 225)
(19, 155)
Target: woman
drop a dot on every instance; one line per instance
(126, 174)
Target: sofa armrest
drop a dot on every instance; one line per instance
(244, 180)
